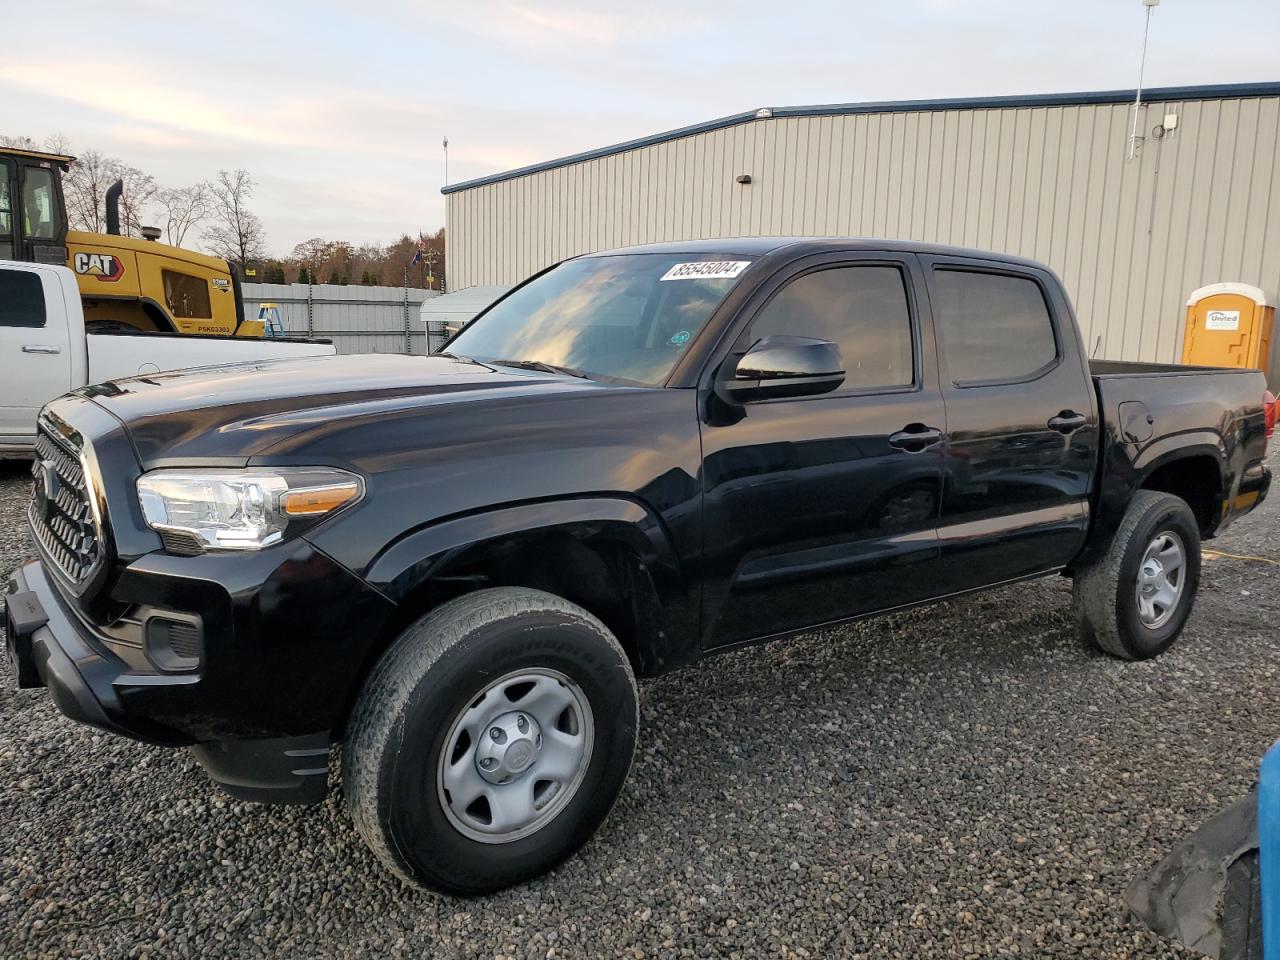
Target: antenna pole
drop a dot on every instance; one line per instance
(1142, 66)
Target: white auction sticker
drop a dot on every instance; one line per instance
(1222, 320)
(706, 270)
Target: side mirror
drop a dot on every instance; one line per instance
(784, 367)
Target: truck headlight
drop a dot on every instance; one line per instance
(197, 510)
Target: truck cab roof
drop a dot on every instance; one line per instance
(762, 246)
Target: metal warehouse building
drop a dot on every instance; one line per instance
(1045, 176)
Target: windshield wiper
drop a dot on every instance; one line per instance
(540, 365)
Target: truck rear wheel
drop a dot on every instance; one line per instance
(491, 740)
(1134, 601)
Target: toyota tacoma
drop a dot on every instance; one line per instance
(455, 566)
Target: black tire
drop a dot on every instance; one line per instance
(1105, 592)
(433, 672)
(1241, 912)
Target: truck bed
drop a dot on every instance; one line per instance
(1151, 412)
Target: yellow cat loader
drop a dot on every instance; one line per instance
(125, 283)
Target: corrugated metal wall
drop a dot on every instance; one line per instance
(357, 319)
(1129, 239)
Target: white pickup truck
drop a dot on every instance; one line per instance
(45, 351)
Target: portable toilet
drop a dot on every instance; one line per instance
(1229, 325)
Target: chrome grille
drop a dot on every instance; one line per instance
(60, 514)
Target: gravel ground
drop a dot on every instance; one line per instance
(961, 781)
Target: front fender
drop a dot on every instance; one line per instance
(416, 557)
(665, 608)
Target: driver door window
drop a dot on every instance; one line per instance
(862, 309)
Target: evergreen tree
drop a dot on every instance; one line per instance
(334, 279)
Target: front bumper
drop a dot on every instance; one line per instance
(48, 649)
(255, 713)
(251, 659)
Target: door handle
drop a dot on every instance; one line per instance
(41, 348)
(1068, 421)
(915, 437)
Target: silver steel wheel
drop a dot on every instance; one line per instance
(1161, 577)
(515, 756)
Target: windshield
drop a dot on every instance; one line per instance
(627, 317)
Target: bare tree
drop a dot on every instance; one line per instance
(86, 189)
(58, 143)
(183, 208)
(236, 233)
(139, 193)
(17, 143)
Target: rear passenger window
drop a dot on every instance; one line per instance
(994, 327)
(21, 299)
(862, 309)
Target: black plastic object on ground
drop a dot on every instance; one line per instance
(1206, 892)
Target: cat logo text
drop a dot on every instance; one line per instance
(104, 266)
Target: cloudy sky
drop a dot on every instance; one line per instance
(338, 110)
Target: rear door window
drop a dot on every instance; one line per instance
(996, 327)
(21, 299)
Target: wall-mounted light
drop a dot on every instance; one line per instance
(744, 178)
(1166, 127)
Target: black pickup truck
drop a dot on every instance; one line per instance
(456, 565)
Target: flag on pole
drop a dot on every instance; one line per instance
(417, 255)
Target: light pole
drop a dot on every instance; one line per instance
(445, 145)
(1142, 66)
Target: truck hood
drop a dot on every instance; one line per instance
(234, 412)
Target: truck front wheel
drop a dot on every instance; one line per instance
(491, 740)
(1135, 599)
